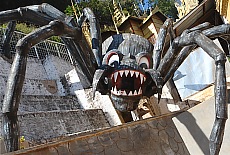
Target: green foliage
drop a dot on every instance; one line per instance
(228, 57)
(101, 10)
(27, 28)
(130, 6)
(167, 7)
(24, 28)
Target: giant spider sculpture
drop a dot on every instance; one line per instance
(127, 68)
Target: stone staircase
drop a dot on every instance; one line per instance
(48, 111)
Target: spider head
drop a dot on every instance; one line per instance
(124, 78)
(126, 72)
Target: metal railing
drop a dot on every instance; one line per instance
(41, 50)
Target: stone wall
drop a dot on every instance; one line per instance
(33, 86)
(35, 81)
(42, 127)
(33, 103)
(34, 69)
(37, 75)
(153, 136)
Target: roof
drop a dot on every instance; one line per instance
(142, 20)
(139, 20)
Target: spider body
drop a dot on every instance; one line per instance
(127, 67)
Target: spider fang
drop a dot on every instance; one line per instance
(127, 82)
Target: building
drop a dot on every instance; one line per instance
(223, 7)
(147, 27)
(185, 6)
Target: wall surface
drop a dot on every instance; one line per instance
(33, 82)
(153, 136)
(42, 127)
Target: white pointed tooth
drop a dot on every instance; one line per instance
(141, 78)
(130, 93)
(135, 92)
(139, 91)
(144, 78)
(131, 73)
(121, 73)
(115, 76)
(126, 72)
(112, 89)
(124, 93)
(137, 73)
(115, 90)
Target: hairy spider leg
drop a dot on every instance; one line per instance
(191, 39)
(6, 39)
(167, 28)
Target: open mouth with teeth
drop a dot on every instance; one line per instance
(127, 83)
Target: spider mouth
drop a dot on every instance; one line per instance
(127, 83)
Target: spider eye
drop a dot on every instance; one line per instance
(144, 62)
(113, 60)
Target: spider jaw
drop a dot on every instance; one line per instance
(127, 82)
(127, 87)
(125, 103)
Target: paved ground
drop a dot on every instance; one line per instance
(195, 126)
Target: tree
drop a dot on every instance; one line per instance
(167, 7)
(130, 7)
(101, 10)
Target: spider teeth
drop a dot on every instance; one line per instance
(140, 91)
(121, 73)
(131, 73)
(115, 76)
(141, 78)
(130, 93)
(115, 89)
(124, 93)
(137, 73)
(126, 72)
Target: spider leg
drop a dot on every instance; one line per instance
(95, 33)
(36, 14)
(201, 39)
(159, 45)
(218, 55)
(17, 76)
(157, 55)
(85, 57)
(7, 37)
(217, 31)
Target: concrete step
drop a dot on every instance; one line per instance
(37, 103)
(153, 136)
(32, 103)
(43, 127)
